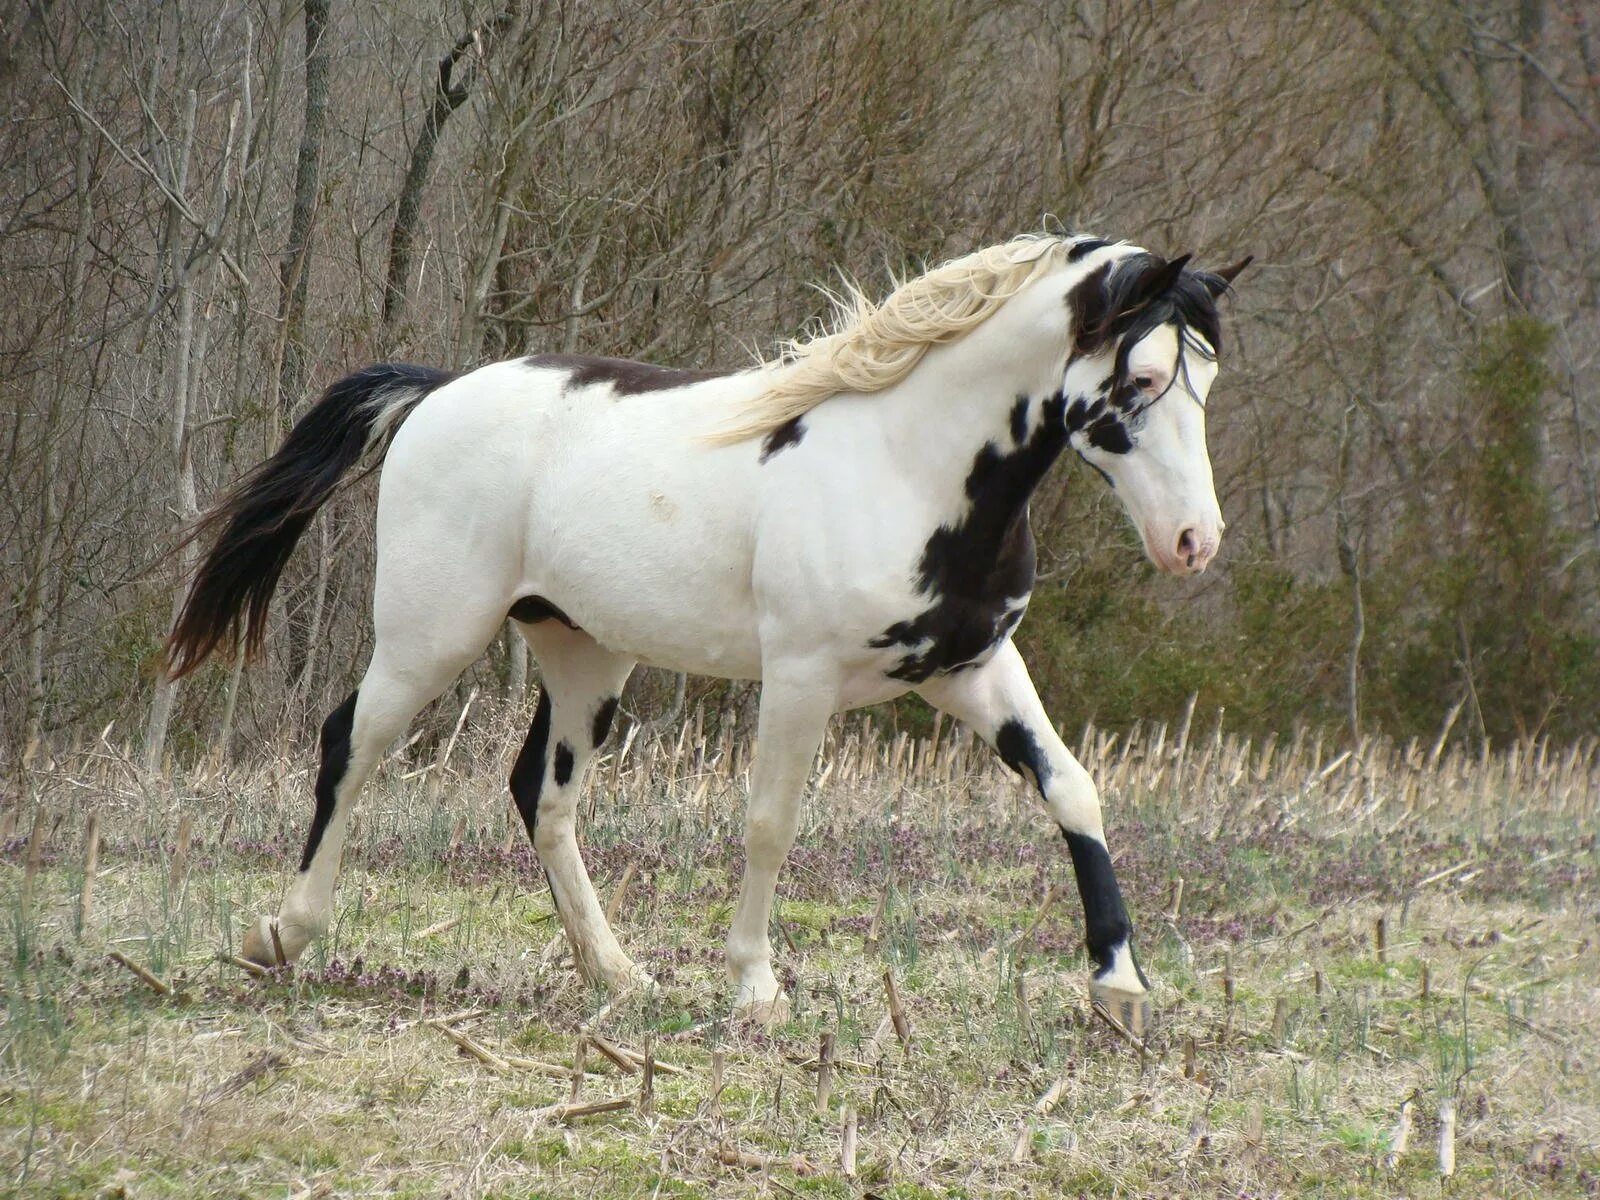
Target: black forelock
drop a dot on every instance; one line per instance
(1112, 308)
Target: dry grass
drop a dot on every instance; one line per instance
(426, 1047)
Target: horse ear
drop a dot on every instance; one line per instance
(1154, 279)
(1221, 281)
(1161, 276)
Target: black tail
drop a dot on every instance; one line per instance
(258, 522)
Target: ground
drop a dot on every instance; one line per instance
(1287, 1049)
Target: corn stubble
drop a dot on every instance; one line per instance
(1373, 975)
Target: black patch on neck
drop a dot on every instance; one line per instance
(788, 434)
(603, 716)
(1084, 247)
(626, 377)
(1019, 421)
(1020, 751)
(563, 764)
(527, 774)
(1105, 917)
(335, 762)
(979, 570)
(530, 610)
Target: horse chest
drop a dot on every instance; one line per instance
(971, 593)
(976, 570)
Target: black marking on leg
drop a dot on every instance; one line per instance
(563, 774)
(335, 762)
(530, 610)
(979, 571)
(790, 433)
(1105, 916)
(603, 716)
(527, 775)
(1020, 751)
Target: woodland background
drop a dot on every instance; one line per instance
(209, 209)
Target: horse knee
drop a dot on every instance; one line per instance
(769, 835)
(551, 833)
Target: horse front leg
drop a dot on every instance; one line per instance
(999, 703)
(795, 707)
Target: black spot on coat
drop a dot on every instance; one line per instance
(1020, 751)
(1084, 247)
(530, 610)
(1019, 421)
(788, 434)
(603, 716)
(563, 764)
(626, 377)
(1105, 428)
(1111, 435)
(977, 571)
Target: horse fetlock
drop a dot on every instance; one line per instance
(764, 1004)
(617, 972)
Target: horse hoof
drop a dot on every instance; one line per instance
(635, 979)
(262, 945)
(630, 977)
(1131, 1010)
(768, 1014)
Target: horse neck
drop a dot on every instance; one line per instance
(970, 406)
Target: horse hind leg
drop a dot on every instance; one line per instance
(398, 682)
(581, 684)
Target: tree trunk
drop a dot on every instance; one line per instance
(1350, 565)
(1518, 242)
(177, 403)
(294, 268)
(450, 92)
(36, 619)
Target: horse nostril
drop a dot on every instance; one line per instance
(1188, 546)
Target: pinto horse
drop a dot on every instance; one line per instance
(845, 523)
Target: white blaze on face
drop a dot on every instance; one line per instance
(1165, 480)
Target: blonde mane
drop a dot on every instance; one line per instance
(869, 347)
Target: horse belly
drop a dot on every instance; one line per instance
(648, 565)
(693, 630)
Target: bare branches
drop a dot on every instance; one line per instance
(668, 182)
(452, 87)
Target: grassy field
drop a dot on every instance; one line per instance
(426, 1047)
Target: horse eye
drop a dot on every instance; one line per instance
(1144, 382)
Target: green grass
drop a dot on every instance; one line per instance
(330, 1081)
